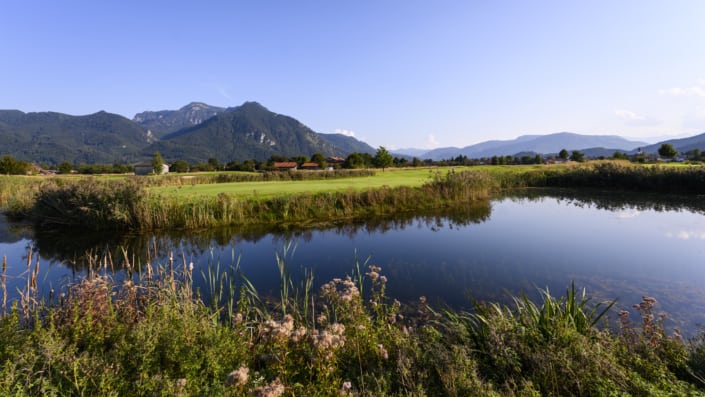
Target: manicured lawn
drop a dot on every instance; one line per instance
(391, 178)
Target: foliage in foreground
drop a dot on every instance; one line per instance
(156, 337)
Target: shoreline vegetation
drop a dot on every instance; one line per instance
(227, 199)
(153, 334)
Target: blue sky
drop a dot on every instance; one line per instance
(400, 73)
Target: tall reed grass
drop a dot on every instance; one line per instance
(96, 204)
(152, 333)
(127, 203)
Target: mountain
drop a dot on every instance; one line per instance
(682, 145)
(410, 152)
(348, 144)
(249, 131)
(543, 144)
(49, 137)
(163, 122)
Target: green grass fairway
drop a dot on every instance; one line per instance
(390, 177)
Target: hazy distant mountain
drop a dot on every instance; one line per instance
(245, 132)
(410, 152)
(543, 144)
(249, 131)
(166, 121)
(348, 144)
(50, 137)
(682, 145)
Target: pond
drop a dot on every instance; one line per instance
(617, 246)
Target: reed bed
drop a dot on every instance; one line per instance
(97, 204)
(130, 203)
(152, 333)
(623, 175)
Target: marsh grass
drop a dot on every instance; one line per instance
(134, 203)
(626, 176)
(152, 333)
(124, 204)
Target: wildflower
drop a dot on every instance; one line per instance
(238, 377)
(238, 318)
(383, 352)
(190, 266)
(383, 279)
(298, 335)
(422, 300)
(321, 319)
(274, 389)
(345, 389)
(181, 383)
(374, 272)
(330, 339)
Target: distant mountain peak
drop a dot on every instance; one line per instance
(164, 122)
(196, 105)
(544, 144)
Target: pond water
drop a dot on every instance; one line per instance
(614, 245)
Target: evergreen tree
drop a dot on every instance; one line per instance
(382, 158)
(157, 163)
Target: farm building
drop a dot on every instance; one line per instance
(146, 169)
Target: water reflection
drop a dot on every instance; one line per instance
(616, 245)
(610, 200)
(78, 249)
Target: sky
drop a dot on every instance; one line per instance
(393, 73)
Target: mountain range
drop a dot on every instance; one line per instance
(194, 133)
(198, 132)
(593, 145)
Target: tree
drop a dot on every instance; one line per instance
(382, 158)
(319, 159)
(179, 166)
(157, 163)
(10, 165)
(667, 150)
(354, 160)
(563, 154)
(577, 156)
(620, 156)
(213, 163)
(65, 168)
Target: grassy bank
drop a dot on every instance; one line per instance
(177, 202)
(96, 204)
(152, 335)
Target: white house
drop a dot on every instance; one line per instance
(146, 169)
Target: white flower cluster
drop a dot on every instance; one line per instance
(330, 339)
(345, 289)
(238, 377)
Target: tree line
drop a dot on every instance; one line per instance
(381, 159)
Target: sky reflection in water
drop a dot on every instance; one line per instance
(615, 246)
